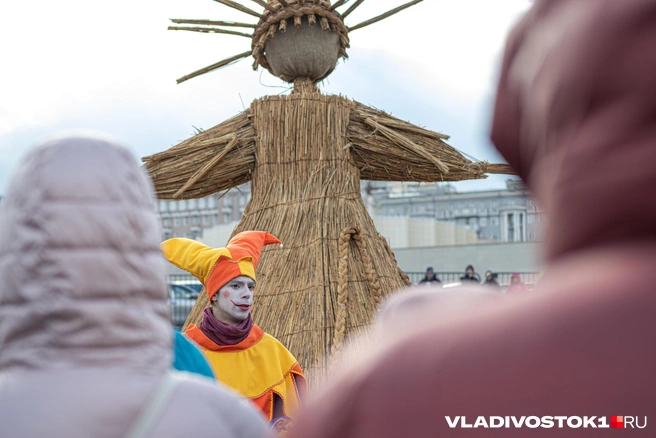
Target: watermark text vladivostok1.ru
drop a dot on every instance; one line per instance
(548, 422)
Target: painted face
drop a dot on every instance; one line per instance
(232, 304)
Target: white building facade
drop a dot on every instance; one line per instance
(191, 217)
(507, 215)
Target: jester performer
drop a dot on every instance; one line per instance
(242, 356)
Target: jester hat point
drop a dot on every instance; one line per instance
(214, 267)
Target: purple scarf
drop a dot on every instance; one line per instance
(224, 334)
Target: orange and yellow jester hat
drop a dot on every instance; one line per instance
(214, 267)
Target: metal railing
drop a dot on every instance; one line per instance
(185, 288)
(503, 278)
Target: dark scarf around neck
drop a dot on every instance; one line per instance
(224, 334)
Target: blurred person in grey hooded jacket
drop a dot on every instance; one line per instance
(85, 337)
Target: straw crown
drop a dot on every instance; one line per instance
(319, 36)
(304, 16)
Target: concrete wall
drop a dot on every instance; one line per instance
(498, 257)
(403, 232)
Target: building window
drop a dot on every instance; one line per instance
(511, 228)
(176, 221)
(483, 222)
(206, 219)
(495, 221)
(201, 203)
(195, 220)
(226, 218)
(530, 218)
(186, 220)
(167, 222)
(216, 219)
(183, 204)
(167, 235)
(192, 204)
(211, 202)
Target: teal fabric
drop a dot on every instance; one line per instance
(187, 357)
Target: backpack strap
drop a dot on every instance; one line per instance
(154, 406)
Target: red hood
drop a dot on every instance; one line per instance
(583, 134)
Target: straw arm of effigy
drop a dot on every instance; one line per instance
(218, 159)
(389, 149)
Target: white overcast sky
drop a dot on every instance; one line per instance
(111, 66)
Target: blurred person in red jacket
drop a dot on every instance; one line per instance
(575, 116)
(516, 286)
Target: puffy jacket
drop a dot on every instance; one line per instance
(85, 338)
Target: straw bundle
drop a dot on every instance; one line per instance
(306, 154)
(174, 168)
(388, 149)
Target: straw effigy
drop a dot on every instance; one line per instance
(305, 154)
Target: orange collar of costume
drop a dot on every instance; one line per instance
(214, 267)
(201, 339)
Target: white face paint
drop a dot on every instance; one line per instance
(232, 304)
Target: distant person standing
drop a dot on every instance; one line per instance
(491, 279)
(516, 285)
(470, 276)
(430, 278)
